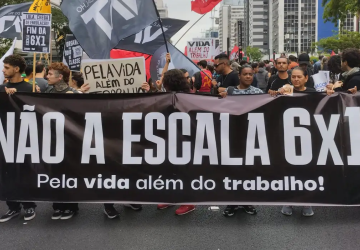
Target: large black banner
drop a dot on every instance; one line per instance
(181, 148)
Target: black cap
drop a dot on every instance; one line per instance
(304, 59)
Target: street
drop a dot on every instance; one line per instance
(330, 228)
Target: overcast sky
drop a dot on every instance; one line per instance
(181, 9)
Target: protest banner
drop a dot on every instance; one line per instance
(115, 76)
(201, 49)
(36, 32)
(72, 53)
(171, 148)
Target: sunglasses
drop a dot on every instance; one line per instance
(217, 65)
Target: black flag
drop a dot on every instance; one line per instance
(178, 61)
(100, 25)
(72, 53)
(11, 20)
(150, 39)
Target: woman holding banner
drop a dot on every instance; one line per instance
(299, 78)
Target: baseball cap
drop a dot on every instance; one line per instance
(304, 59)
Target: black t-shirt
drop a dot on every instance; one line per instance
(231, 79)
(275, 82)
(19, 86)
(307, 90)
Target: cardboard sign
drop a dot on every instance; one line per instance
(115, 76)
(36, 32)
(201, 49)
(72, 53)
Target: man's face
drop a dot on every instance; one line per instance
(53, 77)
(282, 64)
(344, 66)
(256, 70)
(219, 66)
(9, 71)
(187, 76)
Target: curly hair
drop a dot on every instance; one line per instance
(334, 64)
(352, 57)
(174, 80)
(61, 69)
(16, 61)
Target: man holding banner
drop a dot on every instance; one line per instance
(14, 65)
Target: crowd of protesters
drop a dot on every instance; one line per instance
(283, 76)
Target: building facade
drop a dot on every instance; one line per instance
(294, 25)
(231, 11)
(257, 24)
(162, 8)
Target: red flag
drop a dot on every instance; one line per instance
(234, 52)
(332, 53)
(203, 6)
(119, 53)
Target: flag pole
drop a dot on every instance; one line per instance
(189, 29)
(161, 25)
(34, 71)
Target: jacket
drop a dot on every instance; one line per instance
(51, 89)
(351, 81)
(262, 78)
(317, 67)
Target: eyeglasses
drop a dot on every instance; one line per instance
(217, 65)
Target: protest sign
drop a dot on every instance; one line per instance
(320, 81)
(72, 53)
(326, 73)
(201, 49)
(36, 32)
(115, 76)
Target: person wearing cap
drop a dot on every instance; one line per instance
(304, 62)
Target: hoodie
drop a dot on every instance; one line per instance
(262, 78)
(352, 80)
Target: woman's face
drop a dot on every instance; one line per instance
(298, 79)
(246, 76)
(73, 83)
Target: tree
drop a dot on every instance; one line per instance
(336, 10)
(347, 39)
(254, 53)
(60, 26)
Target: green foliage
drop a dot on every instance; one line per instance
(60, 25)
(5, 45)
(254, 53)
(347, 39)
(336, 10)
